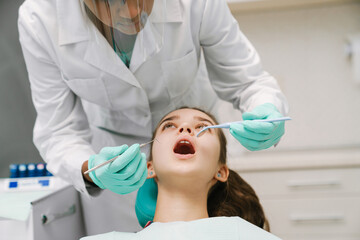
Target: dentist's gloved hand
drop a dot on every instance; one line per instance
(259, 135)
(124, 175)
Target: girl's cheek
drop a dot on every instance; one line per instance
(211, 146)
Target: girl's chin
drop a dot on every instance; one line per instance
(184, 172)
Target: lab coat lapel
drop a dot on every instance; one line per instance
(150, 40)
(100, 54)
(148, 43)
(74, 27)
(173, 12)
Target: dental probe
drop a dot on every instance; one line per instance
(227, 125)
(113, 159)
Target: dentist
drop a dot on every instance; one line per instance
(104, 72)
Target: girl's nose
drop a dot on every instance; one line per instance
(185, 128)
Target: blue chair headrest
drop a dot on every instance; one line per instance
(146, 202)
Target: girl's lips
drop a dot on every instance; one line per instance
(184, 156)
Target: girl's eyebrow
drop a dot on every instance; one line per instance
(169, 119)
(203, 120)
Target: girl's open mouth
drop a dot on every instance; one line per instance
(184, 147)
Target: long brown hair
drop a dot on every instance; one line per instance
(235, 197)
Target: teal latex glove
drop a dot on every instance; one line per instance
(259, 135)
(124, 175)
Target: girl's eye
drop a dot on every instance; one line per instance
(201, 126)
(168, 125)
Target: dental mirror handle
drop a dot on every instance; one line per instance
(227, 125)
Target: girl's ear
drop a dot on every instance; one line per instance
(222, 174)
(151, 171)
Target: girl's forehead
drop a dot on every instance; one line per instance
(188, 112)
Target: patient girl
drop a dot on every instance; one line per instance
(199, 197)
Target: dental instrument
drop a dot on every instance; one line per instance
(227, 125)
(113, 159)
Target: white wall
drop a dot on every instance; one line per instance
(304, 49)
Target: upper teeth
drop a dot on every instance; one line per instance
(184, 141)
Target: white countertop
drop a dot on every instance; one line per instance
(291, 160)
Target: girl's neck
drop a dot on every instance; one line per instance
(177, 205)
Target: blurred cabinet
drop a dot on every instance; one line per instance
(312, 195)
(311, 204)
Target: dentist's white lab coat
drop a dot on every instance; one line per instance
(87, 99)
